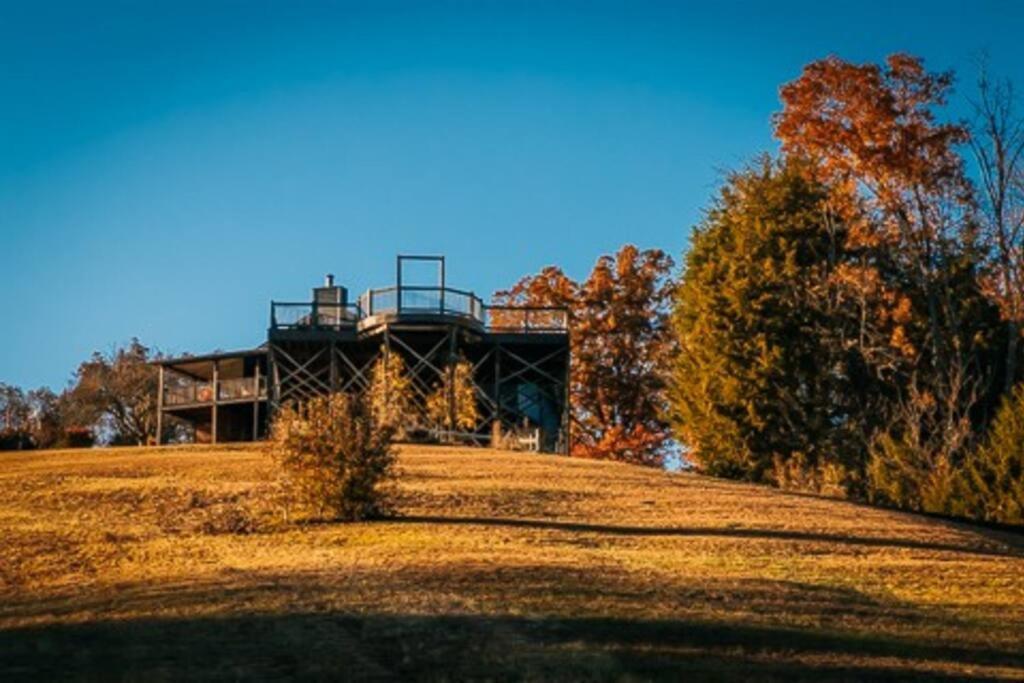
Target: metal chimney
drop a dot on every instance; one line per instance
(329, 280)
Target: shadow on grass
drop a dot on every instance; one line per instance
(714, 532)
(360, 647)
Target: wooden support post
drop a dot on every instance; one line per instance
(497, 395)
(274, 382)
(387, 364)
(398, 285)
(213, 408)
(452, 409)
(442, 286)
(567, 404)
(256, 403)
(160, 406)
(334, 368)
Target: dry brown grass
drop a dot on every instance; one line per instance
(146, 563)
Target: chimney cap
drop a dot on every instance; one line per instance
(329, 280)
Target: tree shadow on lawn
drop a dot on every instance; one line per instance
(344, 646)
(1007, 550)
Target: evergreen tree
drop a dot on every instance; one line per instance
(767, 386)
(992, 483)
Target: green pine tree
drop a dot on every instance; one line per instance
(992, 484)
(765, 387)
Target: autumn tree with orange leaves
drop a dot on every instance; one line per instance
(871, 135)
(621, 349)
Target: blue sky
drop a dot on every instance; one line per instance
(166, 169)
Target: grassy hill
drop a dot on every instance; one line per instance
(145, 563)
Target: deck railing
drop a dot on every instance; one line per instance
(241, 388)
(527, 319)
(315, 315)
(425, 300)
(190, 392)
(235, 389)
(416, 300)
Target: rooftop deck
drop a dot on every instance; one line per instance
(417, 303)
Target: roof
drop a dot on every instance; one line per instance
(230, 364)
(260, 350)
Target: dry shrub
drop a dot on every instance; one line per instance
(334, 457)
(823, 478)
(902, 473)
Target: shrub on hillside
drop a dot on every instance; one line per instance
(13, 440)
(335, 459)
(901, 473)
(824, 478)
(991, 486)
(78, 437)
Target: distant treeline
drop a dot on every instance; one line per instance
(111, 400)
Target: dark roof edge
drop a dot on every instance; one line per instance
(219, 355)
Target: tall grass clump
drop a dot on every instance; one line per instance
(335, 459)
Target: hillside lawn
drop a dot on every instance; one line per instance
(170, 563)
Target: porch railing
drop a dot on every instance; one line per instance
(234, 389)
(241, 388)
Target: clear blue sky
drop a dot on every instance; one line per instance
(168, 168)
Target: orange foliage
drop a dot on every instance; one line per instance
(869, 133)
(620, 349)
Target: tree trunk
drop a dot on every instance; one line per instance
(1011, 356)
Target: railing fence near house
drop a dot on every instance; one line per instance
(191, 392)
(240, 388)
(235, 389)
(526, 441)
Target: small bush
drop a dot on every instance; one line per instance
(823, 478)
(335, 458)
(904, 474)
(78, 437)
(15, 440)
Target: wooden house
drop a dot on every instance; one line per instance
(519, 357)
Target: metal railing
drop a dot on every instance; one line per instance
(527, 319)
(422, 300)
(315, 315)
(416, 300)
(239, 388)
(191, 392)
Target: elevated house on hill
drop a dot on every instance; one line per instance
(519, 358)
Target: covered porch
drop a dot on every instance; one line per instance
(222, 396)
